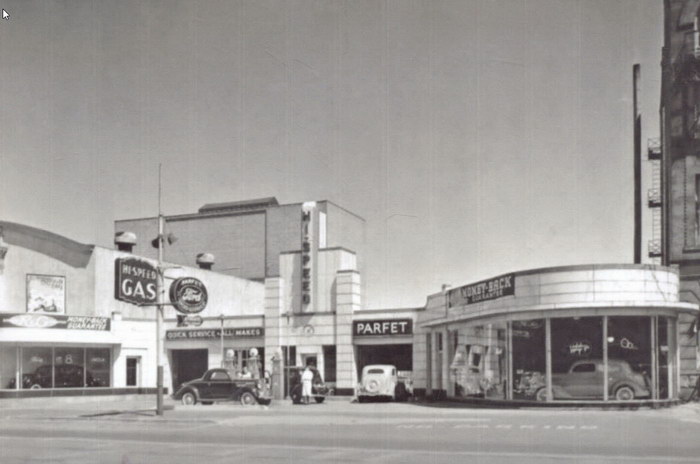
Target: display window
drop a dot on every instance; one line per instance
(478, 366)
(577, 358)
(98, 362)
(598, 358)
(529, 359)
(56, 367)
(8, 366)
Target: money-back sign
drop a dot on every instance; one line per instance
(485, 290)
(136, 281)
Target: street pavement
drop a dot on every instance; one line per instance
(126, 431)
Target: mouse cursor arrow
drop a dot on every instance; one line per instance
(5, 14)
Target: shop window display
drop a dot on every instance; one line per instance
(8, 366)
(577, 358)
(630, 361)
(478, 366)
(529, 358)
(98, 367)
(37, 369)
(69, 371)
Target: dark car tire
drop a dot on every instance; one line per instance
(541, 394)
(624, 393)
(295, 395)
(189, 399)
(319, 399)
(248, 399)
(400, 393)
(36, 386)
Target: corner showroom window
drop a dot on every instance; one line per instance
(598, 358)
(54, 367)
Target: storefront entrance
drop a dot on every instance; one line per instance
(188, 365)
(400, 355)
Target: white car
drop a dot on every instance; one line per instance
(381, 381)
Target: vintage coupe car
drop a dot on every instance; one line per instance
(217, 385)
(584, 379)
(319, 390)
(381, 381)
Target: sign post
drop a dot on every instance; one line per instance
(159, 311)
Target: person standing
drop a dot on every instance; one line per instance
(307, 379)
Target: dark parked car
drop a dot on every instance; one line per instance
(217, 385)
(584, 379)
(319, 390)
(66, 376)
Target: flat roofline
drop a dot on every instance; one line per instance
(233, 212)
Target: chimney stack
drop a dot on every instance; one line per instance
(205, 261)
(125, 241)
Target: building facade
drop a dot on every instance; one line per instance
(81, 318)
(576, 333)
(677, 156)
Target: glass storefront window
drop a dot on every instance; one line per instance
(529, 359)
(8, 367)
(478, 366)
(98, 367)
(630, 363)
(37, 369)
(577, 358)
(69, 371)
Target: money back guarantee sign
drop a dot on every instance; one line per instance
(188, 295)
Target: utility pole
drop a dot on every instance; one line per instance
(159, 306)
(637, 167)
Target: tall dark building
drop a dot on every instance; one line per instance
(677, 155)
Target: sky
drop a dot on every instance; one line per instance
(476, 137)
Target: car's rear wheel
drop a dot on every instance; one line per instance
(36, 386)
(248, 399)
(319, 399)
(400, 393)
(188, 399)
(624, 393)
(541, 394)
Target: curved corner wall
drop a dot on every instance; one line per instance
(575, 333)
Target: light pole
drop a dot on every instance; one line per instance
(221, 336)
(159, 311)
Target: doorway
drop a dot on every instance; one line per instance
(133, 371)
(309, 359)
(188, 365)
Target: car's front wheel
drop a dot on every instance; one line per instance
(248, 399)
(189, 399)
(624, 393)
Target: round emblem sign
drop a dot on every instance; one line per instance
(188, 295)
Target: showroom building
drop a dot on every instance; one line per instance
(574, 333)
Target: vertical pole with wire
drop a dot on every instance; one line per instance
(223, 358)
(159, 306)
